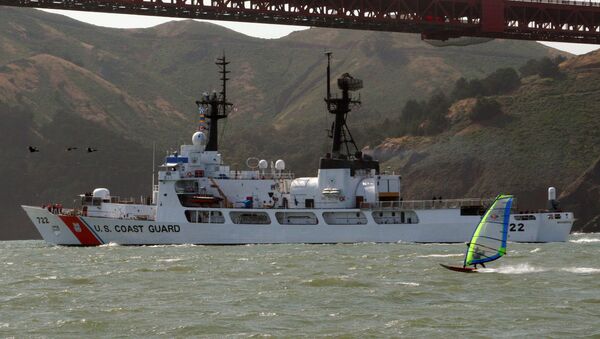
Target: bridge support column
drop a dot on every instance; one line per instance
(492, 16)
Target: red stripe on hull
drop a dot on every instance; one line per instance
(80, 230)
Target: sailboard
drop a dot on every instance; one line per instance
(488, 242)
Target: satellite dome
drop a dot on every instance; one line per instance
(102, 193)
(199, 138)
(263, 164)
(280, 165)
(551, 193)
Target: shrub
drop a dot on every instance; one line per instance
(544, 67)
(460, 90)
(485, 109)
(467, 89)
(501, 81)
(435, 112)
(412, 115)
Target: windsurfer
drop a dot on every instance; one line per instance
(477, 256)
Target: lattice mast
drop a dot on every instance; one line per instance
(340, 107)
(215, 106)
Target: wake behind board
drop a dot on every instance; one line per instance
(460, 269)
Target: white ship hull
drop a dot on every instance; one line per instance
(435, 225)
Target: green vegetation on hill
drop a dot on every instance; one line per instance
(430, 117)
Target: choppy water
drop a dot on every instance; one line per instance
(363, 290)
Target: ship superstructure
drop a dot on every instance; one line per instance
(201, 200)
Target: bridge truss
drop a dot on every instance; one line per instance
(546, 20)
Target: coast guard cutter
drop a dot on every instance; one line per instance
(201, 200)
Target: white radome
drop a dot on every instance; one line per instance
(551, 193)
(102, 193)
(263, 164)
(199, 139)
(280, 165)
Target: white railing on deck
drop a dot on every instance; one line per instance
(239, 175)
(427, 204)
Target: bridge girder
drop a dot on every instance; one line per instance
(546, 20)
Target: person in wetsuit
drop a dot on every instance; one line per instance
(476, 255)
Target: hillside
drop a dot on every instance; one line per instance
(547, 136)
(65, 83)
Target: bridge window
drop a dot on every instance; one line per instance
(186, 186)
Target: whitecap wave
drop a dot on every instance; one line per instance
(581, 270)
(184, 245)
(111, 244)
(441, 255)
(406, 283)
(267, 314)
(537, 249)
(50, 277)
(170, 260)
(584, 240)
(171, 245)
(517, 269)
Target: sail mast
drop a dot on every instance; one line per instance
(488, 242)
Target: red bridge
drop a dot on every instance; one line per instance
(548, 20)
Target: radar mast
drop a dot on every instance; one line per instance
(340, 107)
(216, 106)
(344, 152)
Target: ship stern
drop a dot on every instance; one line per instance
(555, 226)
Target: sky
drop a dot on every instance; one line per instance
(266, 31)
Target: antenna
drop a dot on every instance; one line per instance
(340, 107)
(153, 166)
(216, 106)
(328, 74)
(222, 63)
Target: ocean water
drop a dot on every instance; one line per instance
(361, 290)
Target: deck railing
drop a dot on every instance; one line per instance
(427, 204)
(240, 175)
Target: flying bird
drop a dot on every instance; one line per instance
(90, 150)
(33, 149)
(72, 148)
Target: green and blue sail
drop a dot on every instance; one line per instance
(488, 242)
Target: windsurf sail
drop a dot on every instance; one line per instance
(489, 239)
